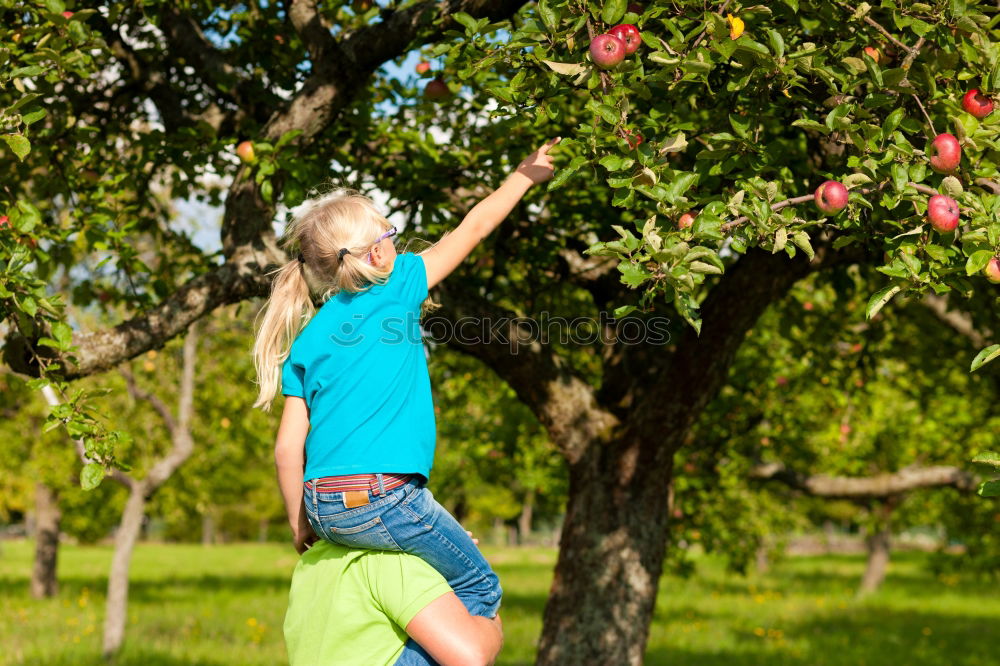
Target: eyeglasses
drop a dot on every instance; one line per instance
(389, 234)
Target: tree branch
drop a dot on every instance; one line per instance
(140, 395)
(959, 321)
(881, 486)
(563, 401)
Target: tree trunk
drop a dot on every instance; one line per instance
(610, 559)
(207, 528)
(116, 608)
(762, 562)
(262, 530)
(524, 520)
(878, 560)
(44, 583)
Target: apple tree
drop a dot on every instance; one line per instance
(685, 190)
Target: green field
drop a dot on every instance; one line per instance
(224, 605)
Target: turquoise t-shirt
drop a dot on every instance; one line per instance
(360, 365)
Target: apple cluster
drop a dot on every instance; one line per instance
(609, 50)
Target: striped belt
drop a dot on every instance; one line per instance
(356, 482)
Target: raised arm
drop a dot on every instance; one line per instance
(453, 637)
(289, 460)
(441, 259)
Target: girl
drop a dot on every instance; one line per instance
(357, 435)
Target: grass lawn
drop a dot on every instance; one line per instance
(224, 605)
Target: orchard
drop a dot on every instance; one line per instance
(713, 158)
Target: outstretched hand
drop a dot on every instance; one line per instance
(537, 166)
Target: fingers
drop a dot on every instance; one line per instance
(544, 150)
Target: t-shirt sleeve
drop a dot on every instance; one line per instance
(411, 273)
(404, 584)
(292, 379)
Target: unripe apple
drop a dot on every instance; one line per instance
(686, 220)
(831, 197)
(992, 270)
(422, 67)
(628, 34)
(942, 211)
(977, 104)
(245, 152)
(945, 153)
(873, 53)
(437, 89)
(607, 51)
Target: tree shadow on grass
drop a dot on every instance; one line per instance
(867, 636)
(138, 657)
(144, 590)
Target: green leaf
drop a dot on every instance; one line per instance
(63, 334)
(624, 310)
(91, 476)
(977, 261)
(470, 23)
(806, 123)
(989, 489)
(19, 144)
(702, 267)
(569, 68)
(610, 114)
(633, 274)
(679, 185)
(892, 122)
(33, 117)
(880, 298)
(777, 42)
(612, 11)
(801, 240)
(549, 16)
(28, 306)
(564, 174)
(985, 356)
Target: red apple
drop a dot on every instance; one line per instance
(942, 211)
(422, 66)
(945, 153)
(67, 15)
(628, 34)
(992, 270)
(686, 220)
(831, 197)
(437, 89)
(633, 139)
(607, 51)
(873, 53)
(977, 104)
(245, 152)
(4, 221)
(808, 306)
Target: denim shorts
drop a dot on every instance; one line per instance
(409, 519)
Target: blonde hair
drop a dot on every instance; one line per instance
(319, 230)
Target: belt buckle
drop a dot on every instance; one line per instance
(355, 498)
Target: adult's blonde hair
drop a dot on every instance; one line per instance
(319, 229)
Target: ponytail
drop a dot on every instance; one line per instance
(284, 315)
